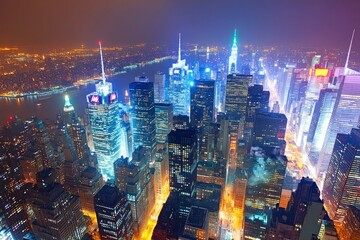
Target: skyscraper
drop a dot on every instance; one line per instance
(164, 121)
(345, 115)
(202, 96)
(135, 179)
(269, 130)
(57, 212)
(179, 85)
(159, 87)
(341, 185)
(113, 213)
(143, 116)
(182, 167)
(104, 118)
(76, 132)
(233, 56)
(235, 103)
(320, 122)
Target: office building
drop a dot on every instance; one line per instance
(113, 213)
(350, 227)
(164, 121)
(236, 96)
(341, 181)
(269, 130)
(76, 132)
(143, 116)
(320, 123)
(182, 167)
(159, 87)
(135, 179)
(104, 119)
(202, 95)
(90, 183)
(345, 115)
(57, 212)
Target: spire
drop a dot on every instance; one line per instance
(102, 65)
(179, 54)
(349, 51)
(235, 38)
(67, 100)
(68, 107)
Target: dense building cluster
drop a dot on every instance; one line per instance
(196, 154)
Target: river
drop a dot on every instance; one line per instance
(47, 107)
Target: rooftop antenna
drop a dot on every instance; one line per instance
(179, 54)
(102, 65)
(349, 51)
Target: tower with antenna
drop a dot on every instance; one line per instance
(104, 120)
(180, 80)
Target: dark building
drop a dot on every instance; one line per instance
(269, 130)
(197, 224)
(182, 167)
(303, 217)
(113, 213)
(181, 122)
(57, 213)
(202, 96)
(143, 116)
(258, 99)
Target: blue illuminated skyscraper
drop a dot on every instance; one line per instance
(179, 85)
(104, 118)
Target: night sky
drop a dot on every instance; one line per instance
(69, 23)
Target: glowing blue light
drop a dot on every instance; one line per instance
(192, 83)
(207, 70)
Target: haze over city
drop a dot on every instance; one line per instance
(61, 24)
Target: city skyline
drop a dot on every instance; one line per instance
(194, 141)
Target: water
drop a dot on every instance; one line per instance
(47, 107)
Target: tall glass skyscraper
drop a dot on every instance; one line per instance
(345, 115)
(179, 85)
(143, 116)
(341, 185)
(104, 118)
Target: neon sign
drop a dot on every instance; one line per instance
(94, 99)
(113, 97)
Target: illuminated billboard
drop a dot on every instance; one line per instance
(113, 97)
(94, 99)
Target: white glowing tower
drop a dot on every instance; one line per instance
(104, 117)
(233, 56)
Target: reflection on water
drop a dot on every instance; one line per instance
(47, 107)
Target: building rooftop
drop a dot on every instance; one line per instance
(197, 217)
